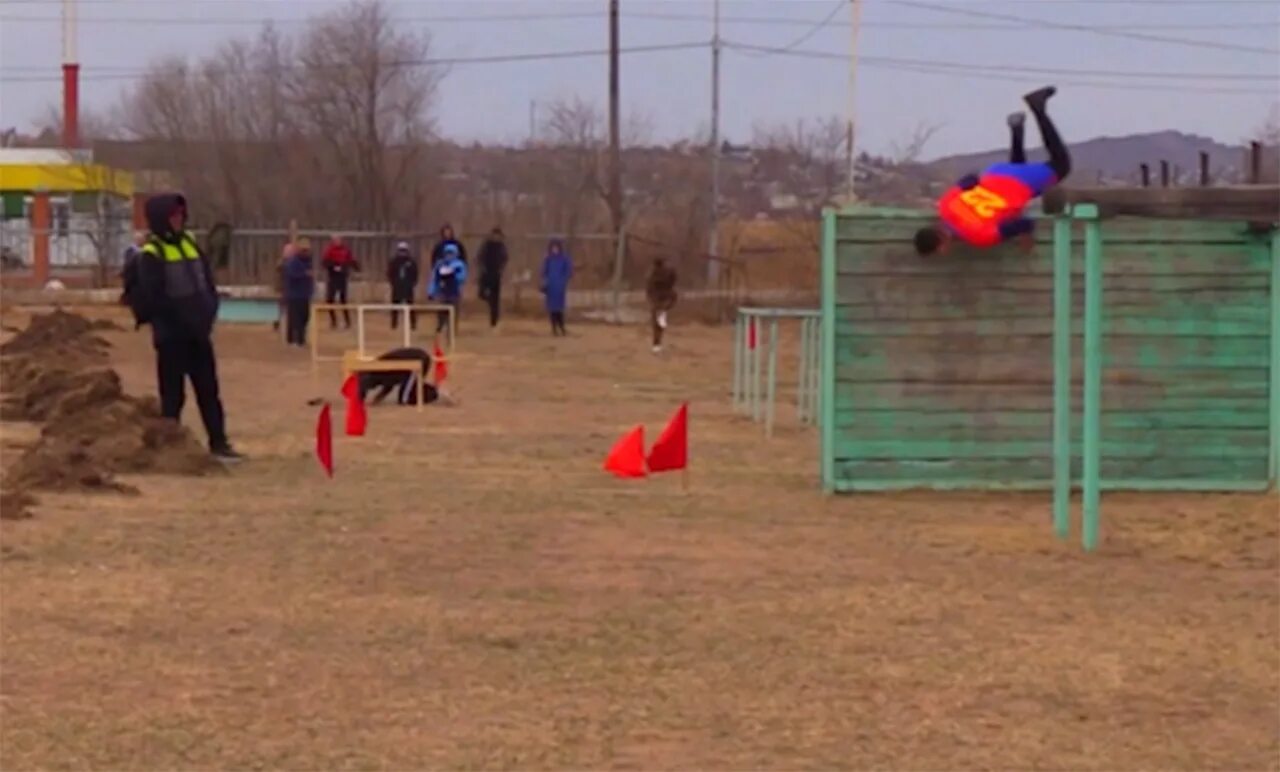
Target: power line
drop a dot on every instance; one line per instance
(428, 62)
(1127, 34)
(660, 16)
(995, 72)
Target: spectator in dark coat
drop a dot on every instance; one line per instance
(299, 288)
(402, 273)
(493, 261)
(446, 238)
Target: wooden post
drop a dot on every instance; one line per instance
(140, 211)
(1204, 169)
(41, 227)
(1255, 163)
(1146, 175)
(1164, 174)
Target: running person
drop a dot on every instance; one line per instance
(985, 210)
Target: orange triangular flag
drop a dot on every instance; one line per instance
(671, 451)
(626, 459)
(442, 366)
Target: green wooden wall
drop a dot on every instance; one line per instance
(939, 373)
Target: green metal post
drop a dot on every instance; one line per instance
(811, 370)
(1091, 451)
(737, 361)
(773, 376)
(1062, 376)
(826, 395)
(1275, 359)
(802, 375)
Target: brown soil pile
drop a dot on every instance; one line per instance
(56, 371)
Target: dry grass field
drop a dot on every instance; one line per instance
(471, 591)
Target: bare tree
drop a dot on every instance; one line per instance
(805, 157)
(912, 147)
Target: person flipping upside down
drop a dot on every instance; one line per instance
(986, 209)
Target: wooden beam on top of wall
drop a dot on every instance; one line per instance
(1257, 203)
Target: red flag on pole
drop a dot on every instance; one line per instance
(671, 451)
(442, 367)
(356, 418)
(324, 440)
(626, 459)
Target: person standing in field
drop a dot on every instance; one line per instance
(493, 261)
(660, 289)
(299, 288)
(402, 273)
(447, 278)
(447, 238)
(178, 297)
(557, 271)
(339, 264)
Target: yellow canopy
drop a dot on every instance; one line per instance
(65, 178)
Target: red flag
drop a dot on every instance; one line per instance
(324, 440)
(671, 451)
(751, 333)
(442, 367)
(626, 459)
(356, 419)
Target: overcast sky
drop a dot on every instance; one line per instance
(489, 102)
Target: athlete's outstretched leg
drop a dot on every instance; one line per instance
(1059, 158)
(1017, 149)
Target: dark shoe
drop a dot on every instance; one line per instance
(226, 454)
(1036, 99)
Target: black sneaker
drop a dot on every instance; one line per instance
(227, 454)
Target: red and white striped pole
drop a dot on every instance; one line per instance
(70, 78)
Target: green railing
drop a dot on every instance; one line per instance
(757, 344)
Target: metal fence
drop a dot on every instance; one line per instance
(755, 362)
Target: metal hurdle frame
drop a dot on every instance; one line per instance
(755, 384)
(360, 309)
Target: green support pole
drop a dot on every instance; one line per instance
(802, 377)
(1092, 461)
(737, 362)
(1275, 359)
(773, 376)
(826, 401)
(1062, 376)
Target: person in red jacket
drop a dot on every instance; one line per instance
(339, 264)
(986, 209)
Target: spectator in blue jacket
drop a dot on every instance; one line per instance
(299, 287)
(447, 278)
(557, 270)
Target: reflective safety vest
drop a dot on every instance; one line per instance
(183, 274)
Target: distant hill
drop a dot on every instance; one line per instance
(1116, 159)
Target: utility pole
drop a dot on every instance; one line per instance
(615, 140)
(533, 122)
(70, 78)
(615, 163)
(855, 9)
(713, 243)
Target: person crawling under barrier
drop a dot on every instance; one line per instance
(405, 384)
(986, 209)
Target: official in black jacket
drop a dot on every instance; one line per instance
(402, 273)
(493, 262)
(177, 296)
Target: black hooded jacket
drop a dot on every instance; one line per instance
(180, 297)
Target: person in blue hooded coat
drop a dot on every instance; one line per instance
(447, 278)
(557, 270)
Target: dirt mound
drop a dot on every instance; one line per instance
(49, 331)
(57, 373)
(15, 504)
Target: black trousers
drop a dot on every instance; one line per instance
(557, 323)
(335, 291)
(1059, 156)
(299, 314)
(175, 362)
(442, 317)
(403, 296)
(491, 293)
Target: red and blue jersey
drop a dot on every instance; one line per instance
(987, 209)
